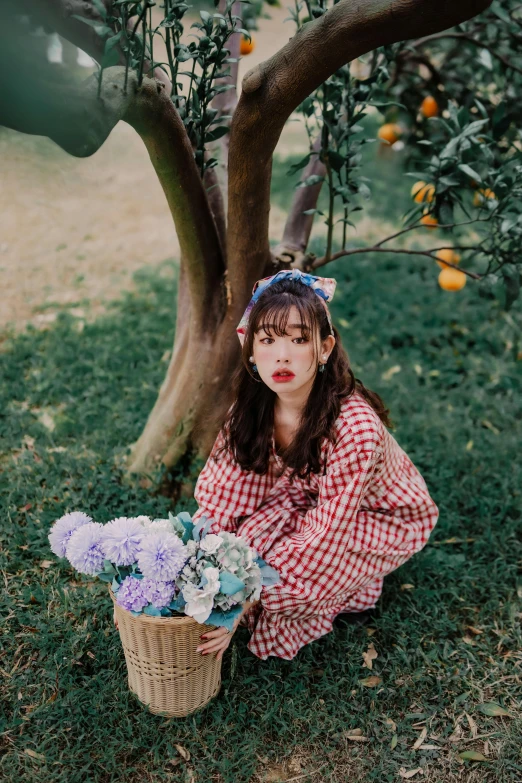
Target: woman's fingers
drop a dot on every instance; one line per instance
(217, 632)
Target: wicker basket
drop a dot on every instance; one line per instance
(165, 671)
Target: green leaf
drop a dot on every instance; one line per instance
(152, 611)
(217, 133)
(394, 741)
(493, 710)
(470, 172)
(300, 165)
(336, 160)
(472, 755)
(101, 8)
(105, 577)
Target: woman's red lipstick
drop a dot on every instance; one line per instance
(283, 378)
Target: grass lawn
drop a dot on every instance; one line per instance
(447, 630)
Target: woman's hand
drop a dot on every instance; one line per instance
(115, 619)
(220, 638)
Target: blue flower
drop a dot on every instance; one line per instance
(159, 594)
(85, 549)
(63, 528)
(121, 540)
(130, 595)
(162, 556)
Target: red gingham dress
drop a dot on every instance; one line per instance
(331, 537)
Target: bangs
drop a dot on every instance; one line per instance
(275, 314)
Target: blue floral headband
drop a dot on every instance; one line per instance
(324, 287)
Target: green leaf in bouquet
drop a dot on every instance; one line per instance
(115, 586)
(224, 619)
(108, 567)
(152, 611)
(188, 525)
(177, 526)
(165, 612)
(105, 577)
(178, 605)
(229, 583)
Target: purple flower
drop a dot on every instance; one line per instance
(62, 529)
(130, 595)
(85, 549)
(159, 594)
(121, 540)
(162, 556)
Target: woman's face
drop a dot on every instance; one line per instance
(286, 364)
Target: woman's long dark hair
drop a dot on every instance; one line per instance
(249, 424)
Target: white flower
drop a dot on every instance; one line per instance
(192, 547)
(211, 543)
(200, 600)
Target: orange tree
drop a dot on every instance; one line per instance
(445, 75)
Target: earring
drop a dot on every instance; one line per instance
(322, 366)
(254, 366)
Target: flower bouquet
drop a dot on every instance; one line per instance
(166, 577)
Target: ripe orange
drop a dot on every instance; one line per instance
(429, 106)
(422, 192)
(430, 221)
(389, 132)
(246, 46)
(449, 255)
(481, 195)
(451, 279)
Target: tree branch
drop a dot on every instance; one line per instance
(225, 102)
(153, 115)
(469, 39)
(376, 249)
(272, 90)
(298, 226)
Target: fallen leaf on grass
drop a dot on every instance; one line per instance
(391, 723)
(472, 725)
(420, 739)
(474, 630)
(34, 754)
(369, 656)
(429, 747)
(371, 631)
(407, 586)
(371, 682)
(183, 752)
(406, 774)
(392, 371)
(355, 735)
(46, 563)
(394, 741)
(493, 710)
(472, 755)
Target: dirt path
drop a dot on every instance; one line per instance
(74, 230)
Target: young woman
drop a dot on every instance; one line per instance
(306, 472)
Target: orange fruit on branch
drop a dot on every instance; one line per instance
(451, 279)
(246, 46)
(429, 106)
(430, 221)
(423, 192)
(389, 132)
(447, 254)
(481, 195)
